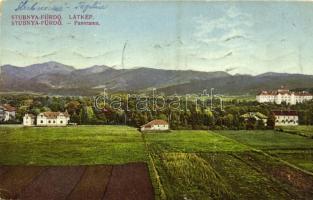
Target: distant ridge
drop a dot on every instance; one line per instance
(57, 78)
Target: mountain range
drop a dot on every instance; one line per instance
(57, 78)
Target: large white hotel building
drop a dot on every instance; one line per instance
(283, 95)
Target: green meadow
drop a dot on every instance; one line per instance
(183, 164)
(267, 140)
(300, 130)
(71, 145)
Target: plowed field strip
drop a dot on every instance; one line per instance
(93, 183)
(53, 183)
(3, 169)
(130, 182)
(15, 179)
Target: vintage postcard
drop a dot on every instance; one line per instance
(144, 100)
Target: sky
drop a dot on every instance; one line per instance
(237, 37)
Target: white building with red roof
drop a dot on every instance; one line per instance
(7, 112)
(283, 95)
(53, 119)
(155, 125)
(286, 118)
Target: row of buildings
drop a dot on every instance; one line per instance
(47, 119)
(8, 113)
(283, 96)
(282, 117)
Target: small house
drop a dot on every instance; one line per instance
(7, 112)
(286, 118)
(255, 115)
(53, 119)
(155, 125)
(29, 120)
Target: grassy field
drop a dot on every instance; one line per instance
(300, 130)
(295, 149)
(71, 145)
(267, 140)
(239, 98)
(193, 141)
(183, 164)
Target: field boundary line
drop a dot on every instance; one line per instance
(108, 183)
(155, 171)
(299, 133)
(287, 163)
(80, 178)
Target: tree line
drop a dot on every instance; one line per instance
(197, 115)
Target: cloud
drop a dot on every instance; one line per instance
(216, 56)
(175, 43)
(27, 55)
(234, 38)
(223, 40)
(232, 23)
(93, 56)
(230, 69)
(47, 55)
(157, 46)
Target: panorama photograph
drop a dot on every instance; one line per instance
(156, 100)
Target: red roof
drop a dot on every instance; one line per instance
(8, 107)
(54, 115)
(271, 93)
(285, 113)
(155, 122)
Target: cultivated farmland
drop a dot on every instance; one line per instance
(182, 164)
(292, 148)
(208, 165)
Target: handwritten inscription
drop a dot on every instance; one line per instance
(84, 6)
(27, 5)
